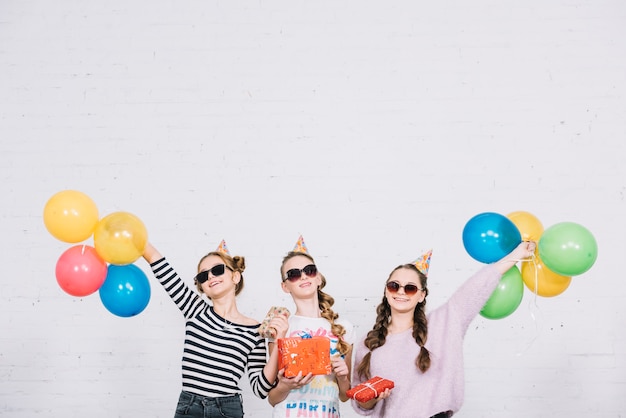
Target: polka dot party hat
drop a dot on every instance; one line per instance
(223, 248)
(300, 246)
(423, 262)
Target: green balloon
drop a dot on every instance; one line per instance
(568, 249)
(506, 298)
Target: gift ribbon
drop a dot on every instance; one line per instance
(369, 386)
(533, 307)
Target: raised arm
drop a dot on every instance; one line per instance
(151, 254)
(467, 301)
(188, 301)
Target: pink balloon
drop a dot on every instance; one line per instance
(80, 271)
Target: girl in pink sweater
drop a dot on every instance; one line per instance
(423, 354)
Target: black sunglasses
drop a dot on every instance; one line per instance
(216, 270)
(409, 289)
(294, 275)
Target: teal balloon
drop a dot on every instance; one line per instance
(568, 249)
(125, 291)
(507, 297)
(489, 236)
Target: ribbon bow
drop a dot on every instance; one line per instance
(369, 385)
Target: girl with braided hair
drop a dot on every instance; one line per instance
(423, 353)
(311, 395)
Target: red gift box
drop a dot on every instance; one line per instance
(306, 355)
(369, 389)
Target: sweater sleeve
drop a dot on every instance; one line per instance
(468, 300)
(360, 352)
(256, 362)
(188, 301)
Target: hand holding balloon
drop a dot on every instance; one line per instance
(523, 251)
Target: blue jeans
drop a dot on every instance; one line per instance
(197, 406)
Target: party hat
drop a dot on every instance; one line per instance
(423, 263)
(300, 246)
(223, 248)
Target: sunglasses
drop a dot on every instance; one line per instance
(294, 275)
(216, 271)
(409, 289)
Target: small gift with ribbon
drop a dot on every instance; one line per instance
(369, 389)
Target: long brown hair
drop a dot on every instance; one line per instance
(378, 335)
(325, 302)
(235, 264)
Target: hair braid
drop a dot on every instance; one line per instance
(376, 337)
(325, 303)
(420, 333)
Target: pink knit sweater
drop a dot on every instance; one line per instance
(417, 394)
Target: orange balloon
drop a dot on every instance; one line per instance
(548, 283)
(70, 216)
(120, 238)
(529, 225)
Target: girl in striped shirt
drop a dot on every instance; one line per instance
(221, 344)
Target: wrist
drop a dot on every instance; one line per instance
(283, 388)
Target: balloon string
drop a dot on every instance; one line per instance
(533, 306)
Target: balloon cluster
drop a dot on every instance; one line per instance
(106, 267)
(564, 250)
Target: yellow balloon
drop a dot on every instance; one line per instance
(548, 283)
(70, 216)
(120, 238)
(529, 225)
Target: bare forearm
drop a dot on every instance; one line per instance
(277, 394)
(344, 384)
(151, 254)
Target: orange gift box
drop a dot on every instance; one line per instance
(306, 355)
(264, 329)
(369, 389)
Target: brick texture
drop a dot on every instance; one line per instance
(376, 130)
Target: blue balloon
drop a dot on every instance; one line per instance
(125, 291)
(489, 236)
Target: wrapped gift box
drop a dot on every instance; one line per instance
(369, 389)
(264, 329)
(306, 355)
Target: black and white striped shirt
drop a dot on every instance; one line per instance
(216, 352)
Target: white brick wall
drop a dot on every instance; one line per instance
(375, 129)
